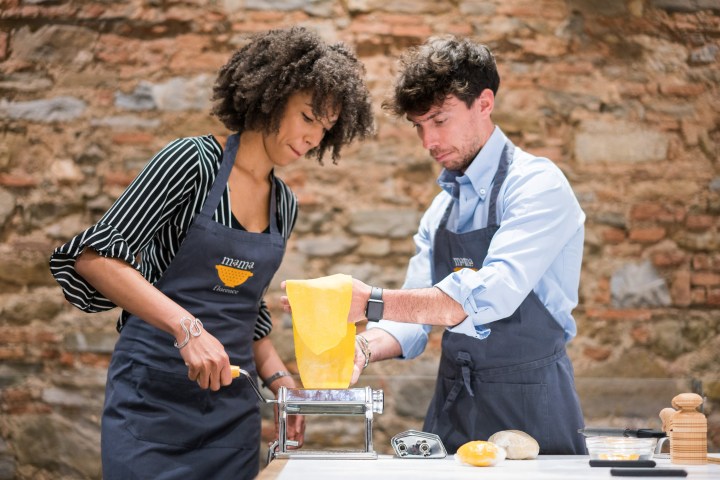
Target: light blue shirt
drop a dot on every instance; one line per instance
(538, 246)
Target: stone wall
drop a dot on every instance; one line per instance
(622, 94)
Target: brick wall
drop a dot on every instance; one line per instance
(621, 94)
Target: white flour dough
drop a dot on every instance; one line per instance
(518, 445)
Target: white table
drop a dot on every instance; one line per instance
(389, 467)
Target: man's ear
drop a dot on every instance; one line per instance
(485, 102)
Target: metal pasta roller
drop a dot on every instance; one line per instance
(415, 444)
(359, 402)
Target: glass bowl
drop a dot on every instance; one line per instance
(620, 448)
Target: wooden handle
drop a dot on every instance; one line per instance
(235, 371)
(666, 415)
(687, 401)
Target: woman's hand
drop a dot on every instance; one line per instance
(284, 302)
(205, 357)
(268, 364)
(207, 362)
(295, 429)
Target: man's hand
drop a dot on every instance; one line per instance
(359, 364)
(360, 296)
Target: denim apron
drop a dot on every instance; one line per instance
(518, 378)
(158, 424)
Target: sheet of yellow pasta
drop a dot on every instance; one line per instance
(324, 340)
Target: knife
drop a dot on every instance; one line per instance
(622, 432)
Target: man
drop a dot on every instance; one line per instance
(498, 263)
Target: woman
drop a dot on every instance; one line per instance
(188, 252)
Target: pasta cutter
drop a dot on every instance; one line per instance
(416, 444)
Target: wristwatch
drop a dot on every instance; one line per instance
(375, 305)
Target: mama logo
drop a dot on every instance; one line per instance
(462, 262)
(233, 272)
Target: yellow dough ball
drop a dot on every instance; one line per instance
(480, 453)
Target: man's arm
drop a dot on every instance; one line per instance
(425, 306)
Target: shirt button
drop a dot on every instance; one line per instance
(482, 191)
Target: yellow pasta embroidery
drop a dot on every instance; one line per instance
(232, 277)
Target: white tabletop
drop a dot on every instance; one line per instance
(390, 467)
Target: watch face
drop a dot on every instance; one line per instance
(374, 310)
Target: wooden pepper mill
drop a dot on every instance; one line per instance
(687, 429)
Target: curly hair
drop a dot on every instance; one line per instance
(440, 67)
(253, 87)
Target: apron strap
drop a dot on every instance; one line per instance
(273, 204)
(498, 180)
(213, 198)
(464, 364)
(220, 184)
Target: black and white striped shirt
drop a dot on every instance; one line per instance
(148, 222)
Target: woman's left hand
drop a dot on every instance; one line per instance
(295, 428)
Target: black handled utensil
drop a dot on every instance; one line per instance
(622, 432)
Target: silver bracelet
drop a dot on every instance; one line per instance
(275, 376)
(364, 348)
(194, 327)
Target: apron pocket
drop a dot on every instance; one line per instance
(513, 406)
(495, 407)
(165, 408)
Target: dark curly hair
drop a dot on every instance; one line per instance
(440, 67)
(253, 88)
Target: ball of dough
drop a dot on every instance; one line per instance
(479, 453)
(518, 445)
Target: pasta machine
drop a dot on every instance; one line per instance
(361, 402)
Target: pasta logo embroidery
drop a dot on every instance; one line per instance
(233, 273)
(232, 277)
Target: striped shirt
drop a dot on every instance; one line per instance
(147, 224)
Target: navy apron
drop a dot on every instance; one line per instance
(158, 424)
(518, 378)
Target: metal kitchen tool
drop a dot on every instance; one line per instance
(415, 444)
(297, 401)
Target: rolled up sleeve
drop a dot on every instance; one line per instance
(168, 183)
(107, 242)
(539, 217)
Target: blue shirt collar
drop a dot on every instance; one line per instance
(481, 171)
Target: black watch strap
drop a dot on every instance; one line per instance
(374, 309)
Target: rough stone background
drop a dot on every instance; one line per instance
(622, 94)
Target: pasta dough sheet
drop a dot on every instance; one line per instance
(324, 340)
